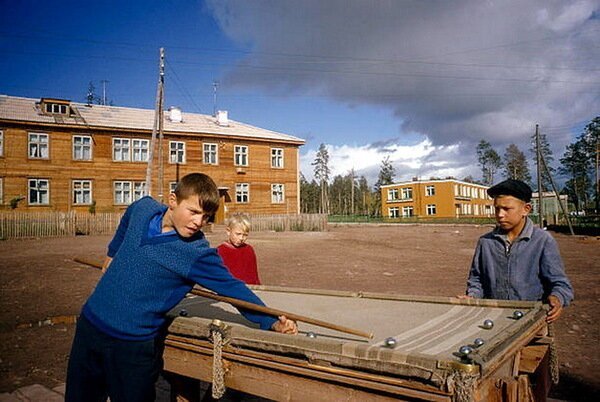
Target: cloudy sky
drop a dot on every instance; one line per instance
(419, 81)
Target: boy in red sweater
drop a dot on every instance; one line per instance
(237, 255)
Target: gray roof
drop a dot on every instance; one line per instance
(19, 109)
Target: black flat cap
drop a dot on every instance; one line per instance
(516, 188)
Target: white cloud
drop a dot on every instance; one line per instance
(422, 160)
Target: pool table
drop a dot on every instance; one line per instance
(415, 353)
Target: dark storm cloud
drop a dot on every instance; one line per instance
(455, 71)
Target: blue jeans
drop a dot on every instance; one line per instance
(101, 366)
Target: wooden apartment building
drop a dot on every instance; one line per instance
(60, 155)
(447, 198)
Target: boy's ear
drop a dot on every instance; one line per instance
(172, 200)
(527, 208)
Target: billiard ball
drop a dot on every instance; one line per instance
(311, 334)
(465, 350)
(390, 342)
(183, 312)
(517, 315)
(488, 324)
(478, 342)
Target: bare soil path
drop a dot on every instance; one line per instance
(38, 279)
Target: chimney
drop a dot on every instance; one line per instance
(222, 119)
(175, 114)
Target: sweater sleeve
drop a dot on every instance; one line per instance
(474, 285)
(209, 271)
(117, 239)
(552, 273)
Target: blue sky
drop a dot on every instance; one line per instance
(419, 81)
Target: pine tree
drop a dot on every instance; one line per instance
(489, 160)
(386, 176)
(515, 164)
(321, 166)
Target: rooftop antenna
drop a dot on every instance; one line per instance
(104, 82)
(215, 87)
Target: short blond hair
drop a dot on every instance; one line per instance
(239, 219)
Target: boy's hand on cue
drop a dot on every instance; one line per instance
(285, 326)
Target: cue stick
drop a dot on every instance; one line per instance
(258, 308)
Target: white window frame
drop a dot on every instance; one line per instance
(56, 108)
(172, 187)
(1, 190)
(431, 209)
(140, 150)
(277, 193)
(121, 149)
(408, 211)
(139, 190)
(42, 196)
(41, 149)
(242, 193)
(176, 152)
(240, 155)
(81, 192)
(394, 212)
(430, 191)
(80, 148)
(210, 153)
(122, 192)
(407, 193)
(392, 194)
(1, 143)
(277, 160)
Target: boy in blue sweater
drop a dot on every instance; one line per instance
(156, 256)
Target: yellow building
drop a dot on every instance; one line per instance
(446, 198)
(62, 156)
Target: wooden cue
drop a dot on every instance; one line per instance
(258, 308)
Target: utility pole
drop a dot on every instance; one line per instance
(215, 87)
(538, 154)
(158, 127)
(104, 82)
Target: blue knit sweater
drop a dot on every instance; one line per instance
(149, 275)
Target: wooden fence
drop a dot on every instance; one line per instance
(287, 222)
(15, 225)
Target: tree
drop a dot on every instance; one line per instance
(489, 160)
(321, 166)
(590, 139)
(515, 164)
(574, 165)
(309, 196)
(386, 176)
(546, 152)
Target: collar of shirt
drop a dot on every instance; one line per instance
(524, 235)
(155, 227)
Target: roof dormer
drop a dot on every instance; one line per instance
(55, 106)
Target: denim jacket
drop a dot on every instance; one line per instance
(528, 269)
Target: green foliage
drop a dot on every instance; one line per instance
(515, 164)
(489, 160)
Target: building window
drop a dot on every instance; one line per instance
(122, 192)
(1, 143)
(277, 191)
(140, 150)
(240, 155)
(407, 193)
(394, 212)
(82, 192)
(429, 191)
(139, 190)
(176, 152)
(172, 186)
(277, 157)
(392, 194)
(38, 146)
(121, 149)
(56, 108)
(407, 211)
(242, 192)
(39, 192)
(431, 209)
(82, 148)
(210, 154)
(1, 190)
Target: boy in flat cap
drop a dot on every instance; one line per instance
(518, 261)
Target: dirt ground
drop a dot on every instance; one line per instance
(39, 279)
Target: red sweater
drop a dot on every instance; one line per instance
(241, 262)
